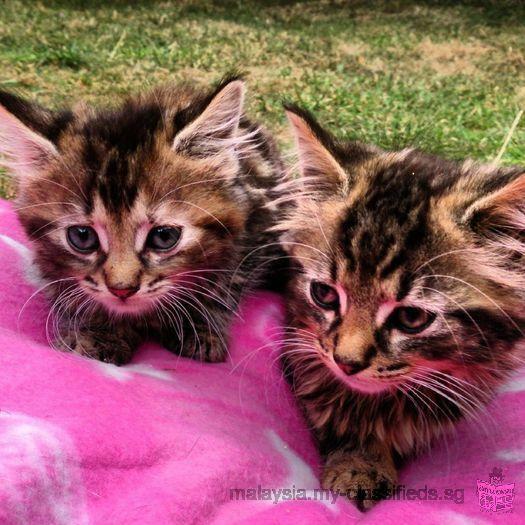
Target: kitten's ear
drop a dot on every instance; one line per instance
(24, 152)
(501, 202)
(317, 164)
(214, 131)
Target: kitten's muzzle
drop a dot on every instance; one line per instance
(348, 366)
(123, 293)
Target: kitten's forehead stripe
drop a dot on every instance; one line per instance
(115, 150)
(405, 285)
(389, 221)
(127, 129)
(117, 183)
(118, 145)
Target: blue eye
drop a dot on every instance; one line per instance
(83, 239)
(163, 238)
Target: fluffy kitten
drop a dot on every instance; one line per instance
(143, 217)
(406, 306)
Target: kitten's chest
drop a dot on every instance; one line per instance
(343, 417)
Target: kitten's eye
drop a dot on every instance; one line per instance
(411, 320)
(324, 295)
(163, 237)
(82, 238)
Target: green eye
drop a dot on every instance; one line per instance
(163, 238)
(411, 320)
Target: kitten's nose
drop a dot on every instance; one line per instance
(123, 293)
(348, 366)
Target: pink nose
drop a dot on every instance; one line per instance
(348, 366)
(123, 293)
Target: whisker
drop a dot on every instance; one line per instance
(466, 283)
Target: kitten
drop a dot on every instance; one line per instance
(146, 219)
(406, 306)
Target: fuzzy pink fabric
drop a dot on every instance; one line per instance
(168, 440)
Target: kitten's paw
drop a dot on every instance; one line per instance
(364, 481)
(206, 347)
(108, 347)
(211, 349)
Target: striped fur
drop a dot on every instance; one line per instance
(388, 231)
(176, 156)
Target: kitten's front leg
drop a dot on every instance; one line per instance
(202, 345)
(200, 340)
(109, 344)
(364, 476)
(208, 346)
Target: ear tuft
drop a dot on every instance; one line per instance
(215, 130)
(317, 164)
(497, 215)
(501, 203)
(23, 152)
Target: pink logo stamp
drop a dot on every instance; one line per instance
(495, 496)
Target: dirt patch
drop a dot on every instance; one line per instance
(352, 49)
(360, 52)
(450, 58)
(520, 97)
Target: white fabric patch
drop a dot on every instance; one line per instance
(300, 473)
(451, 517)
(515, 455)
(20, 249)
(118, 373)
(127, 372)
(40, 474)
(32, 275)
(514, 385)
(148, 370)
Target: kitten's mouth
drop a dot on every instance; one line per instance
(130, 306)
(133, 305)
(367, 385)
(135, 302)
(367, 381)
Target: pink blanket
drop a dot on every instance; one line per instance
(168, 440)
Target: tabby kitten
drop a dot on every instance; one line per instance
(142, 217)
(406, 306)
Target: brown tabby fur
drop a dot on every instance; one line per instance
(390, 230)
(177, 155)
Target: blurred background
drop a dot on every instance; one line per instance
(447, 76)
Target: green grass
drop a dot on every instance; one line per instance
(448, 77)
